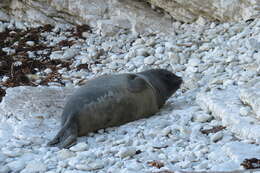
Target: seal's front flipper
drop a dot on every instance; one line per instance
(135, 83)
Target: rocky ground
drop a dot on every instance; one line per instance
(212, 123)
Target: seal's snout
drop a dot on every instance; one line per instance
(178, 81)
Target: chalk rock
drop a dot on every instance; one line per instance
(128, 151)
(82, 146)
(34, 167)
(16, 166)
(225, 105)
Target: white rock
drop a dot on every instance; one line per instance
(35, 167)
(128, 151)
(5, 78)
(142, 52)
(138, 61)
(56, 55)
(82, 146)
(216, 137)
(174, 58)
(194, 62)
(2, 158)
(253, 44)
(2, 27)
(201, 21)
(70, 53)
(202, 117)
(16, 166)
(47, 70)
(91, 166)
(244, 111)
(159, 50)
(8, 50)
(65, 154)
(12, 152)
(4, 169)
(30, 43)
(149, 60)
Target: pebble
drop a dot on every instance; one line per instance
(30, 43)
(70, 53)
(127, 152)
(194, 62)
(12, 152)
(47, 70)
(244, 111)
(65, 154)
(16, 165)
(202, 117)
(216, 137)
(5, 169)
(149, 60)
(82, 146)
(91, 166)
(56, 55)
(35, 167)
(138, 61)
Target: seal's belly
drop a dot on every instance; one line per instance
(116, 108)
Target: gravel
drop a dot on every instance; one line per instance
(219, 64)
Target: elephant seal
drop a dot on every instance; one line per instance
(113, 100)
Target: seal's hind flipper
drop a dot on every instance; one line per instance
(135, 83)
(66, 137)
(68, 142)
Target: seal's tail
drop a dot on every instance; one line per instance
(67, 136)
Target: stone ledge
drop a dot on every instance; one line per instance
(225, 105)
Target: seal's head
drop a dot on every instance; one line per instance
(164, 82)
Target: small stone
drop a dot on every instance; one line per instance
(138, 61)
(91, 166)
(30, 43)
(253, 44)
(56, 55)
(70, 53)
(10, 152)
(142, 52)
(174, 57)
(194, 62)
(166, 131)
(205, 47)
(216, 137)
(201, 21)
(35, 167)
(149, 60)
(9, 50)
(65, 154)
(16, 166)
(244, 111)
(5, 169)
(47, 70)
(82, 146)
(128, 151)
(2, 158)
(159, 50)
(202, 117)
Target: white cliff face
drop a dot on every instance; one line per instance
(229, 10)
(139, 16)
(134, 15)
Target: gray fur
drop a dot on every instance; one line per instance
(113, 100)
